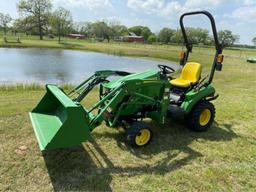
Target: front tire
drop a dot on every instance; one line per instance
(202, 116)
(139, 134)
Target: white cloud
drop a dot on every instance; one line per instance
(148, 6)
(158, 7)
(245, 13)
(90, 4)
(249, 2)
(172, 8)
(203, 4)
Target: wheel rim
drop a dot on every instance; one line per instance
(142, 137)
(205, 117)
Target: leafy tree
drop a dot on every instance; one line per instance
(61, 21)
(146, 32)
(254, 41)
(5, 19)
(141, 31)
(136, 29)
(80, 27)
(87, 29)
(14, 28)
(25, 25)
(227, 38)
(165, 35)
(39, 10)
(101, 30)
(177, 37)
(119, 30)
(197, 35)
(209, 41)
(152, 38)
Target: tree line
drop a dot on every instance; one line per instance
(37, 17)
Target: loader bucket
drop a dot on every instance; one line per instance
(59, 122)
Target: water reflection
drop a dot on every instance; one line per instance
(63, 66)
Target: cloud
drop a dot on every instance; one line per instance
(148, 6)
(245, 13)
(249, 2)
(90, 4)
(203, 4)
(172, 8)
(158, 7)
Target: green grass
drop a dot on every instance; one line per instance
(222, 159)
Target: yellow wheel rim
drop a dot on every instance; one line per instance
(142, 137)
(205, 117)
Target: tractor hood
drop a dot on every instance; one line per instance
(149, 75)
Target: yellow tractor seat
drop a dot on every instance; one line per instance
(190, 75)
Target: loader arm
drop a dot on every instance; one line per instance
(80, 92)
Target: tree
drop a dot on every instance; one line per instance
(119, 30)
(136, 29)
(165, 35)
(227, 38)
(152, 38)
(197, 35)
(141, 31)
(101, 30)
(25, 25)
(87, 29)
(254, 41)
(5, 19)
(80, 27)
(61, 21)
(39, 10)
(146, 32)
(177, 37)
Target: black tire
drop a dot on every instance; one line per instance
(134, 132)
(198, 119)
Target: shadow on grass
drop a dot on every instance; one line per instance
(174, 136)
(173, 139)
(74, 170)
(78, 169)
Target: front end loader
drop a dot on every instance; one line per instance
(60, 120)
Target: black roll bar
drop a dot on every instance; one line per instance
(189, 46)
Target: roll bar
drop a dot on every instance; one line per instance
(216, 65)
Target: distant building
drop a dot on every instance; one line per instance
(132, 37)
(76, 36)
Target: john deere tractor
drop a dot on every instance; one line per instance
(60, 120)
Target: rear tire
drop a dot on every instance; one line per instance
(139, 134)
(201, 117)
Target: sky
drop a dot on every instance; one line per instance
(238, 16)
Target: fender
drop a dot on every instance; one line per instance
(194, 96)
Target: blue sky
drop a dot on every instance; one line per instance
(236, 15)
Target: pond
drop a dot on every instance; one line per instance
(63, 66)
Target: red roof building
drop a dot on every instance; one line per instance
(76, 36)
(132, 37)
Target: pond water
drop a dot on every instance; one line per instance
(63, 66)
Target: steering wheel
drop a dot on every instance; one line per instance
(166, 69)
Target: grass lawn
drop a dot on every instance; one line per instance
(222, 159)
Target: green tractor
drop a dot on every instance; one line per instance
(60, 121)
